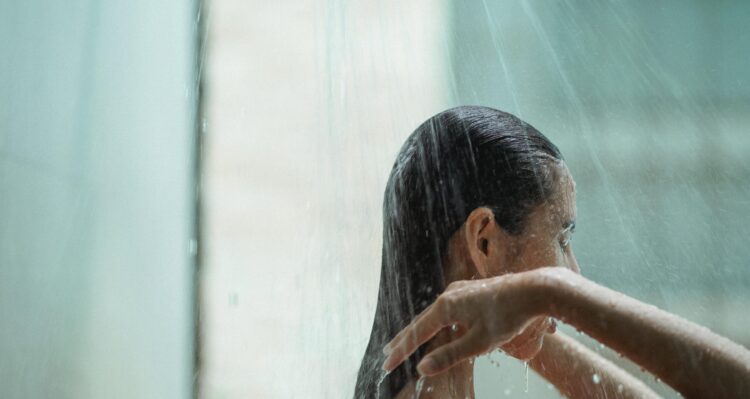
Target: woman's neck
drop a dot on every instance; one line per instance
(458, 382)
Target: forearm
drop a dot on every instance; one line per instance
(689, 358)
(578, 372)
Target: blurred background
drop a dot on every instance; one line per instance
(308, 103)
(129, 195)
(97, 198)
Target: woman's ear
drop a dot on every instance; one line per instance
(479, 229)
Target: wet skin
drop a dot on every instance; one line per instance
(482, 249)
(544, 241)
(503, 293)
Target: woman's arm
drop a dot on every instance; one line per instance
(578, 372)
(693, 360)
(690, 358)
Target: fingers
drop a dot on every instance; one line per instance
(451, 287)
(448, 355)
(397, 339)
(419, 332)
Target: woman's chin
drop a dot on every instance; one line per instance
(528, 344)
(526, 350)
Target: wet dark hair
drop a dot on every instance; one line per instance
(456, 161)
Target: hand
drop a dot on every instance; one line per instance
(489, 313)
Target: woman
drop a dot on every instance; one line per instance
(478, 207)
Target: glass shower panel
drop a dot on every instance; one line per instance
(97, 199)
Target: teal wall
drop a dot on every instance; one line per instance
(650, 104)
(96, 199)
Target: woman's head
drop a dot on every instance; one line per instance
(481, 248)
(472, 193)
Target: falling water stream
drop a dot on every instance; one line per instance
(383, 375)
(526, 373)
(418, 389)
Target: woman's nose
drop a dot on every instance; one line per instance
(573, 263)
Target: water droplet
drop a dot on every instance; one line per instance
(492, 361)
(550, 387)
(454, 327)
(601, 346)
(507, 392)
(193, 247)
(596, 379)
(429, 389)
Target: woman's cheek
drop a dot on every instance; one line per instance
(547, 255)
